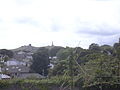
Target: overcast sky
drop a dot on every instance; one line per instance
(65, 22)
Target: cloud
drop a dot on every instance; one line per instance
(66, 22)
(99, 31)
(103, 0)
(26, 20)
(1, 20)
(23, 2)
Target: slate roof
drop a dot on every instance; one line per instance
(30, 75)
(14, 62)
(16, 69)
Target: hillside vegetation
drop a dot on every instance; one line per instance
(95, 68)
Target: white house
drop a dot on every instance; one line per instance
(15, 62)
(4, 76)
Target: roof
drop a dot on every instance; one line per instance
(4, 76)
(16, 69)
(15, 62)
(30, 75)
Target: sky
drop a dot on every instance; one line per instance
(65, 22)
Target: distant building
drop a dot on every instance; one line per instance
(30, 75)
(15, 62)
(23, 55)
(15, 71)
(4, 76)
(14, 67)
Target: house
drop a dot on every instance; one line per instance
(24, 56)
(15, 71)
(13, 61)
(19, 55)
(16, 68)
(20, 72)
(30, 75)
(4, 76)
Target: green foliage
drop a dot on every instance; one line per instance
(26, 84)
(96, 65)
(6, 52)
(101, 69)
(117, 50)
(64, 53)
(107, 49)
(60, 68)
(4, 84)
(94, 47)
(53, 51)
(41, 61)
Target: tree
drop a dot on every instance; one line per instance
(65, 62)
(101, 69)
(64, 53)
(107, 49)
(41, 61)
(60, 68)
(94, 47)
(117, 50)
(6, 52)
(4, 56)
(53, 51)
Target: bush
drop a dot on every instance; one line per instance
(4, 84)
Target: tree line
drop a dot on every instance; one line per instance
(95, 66)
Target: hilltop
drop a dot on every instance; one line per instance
(33, 49)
